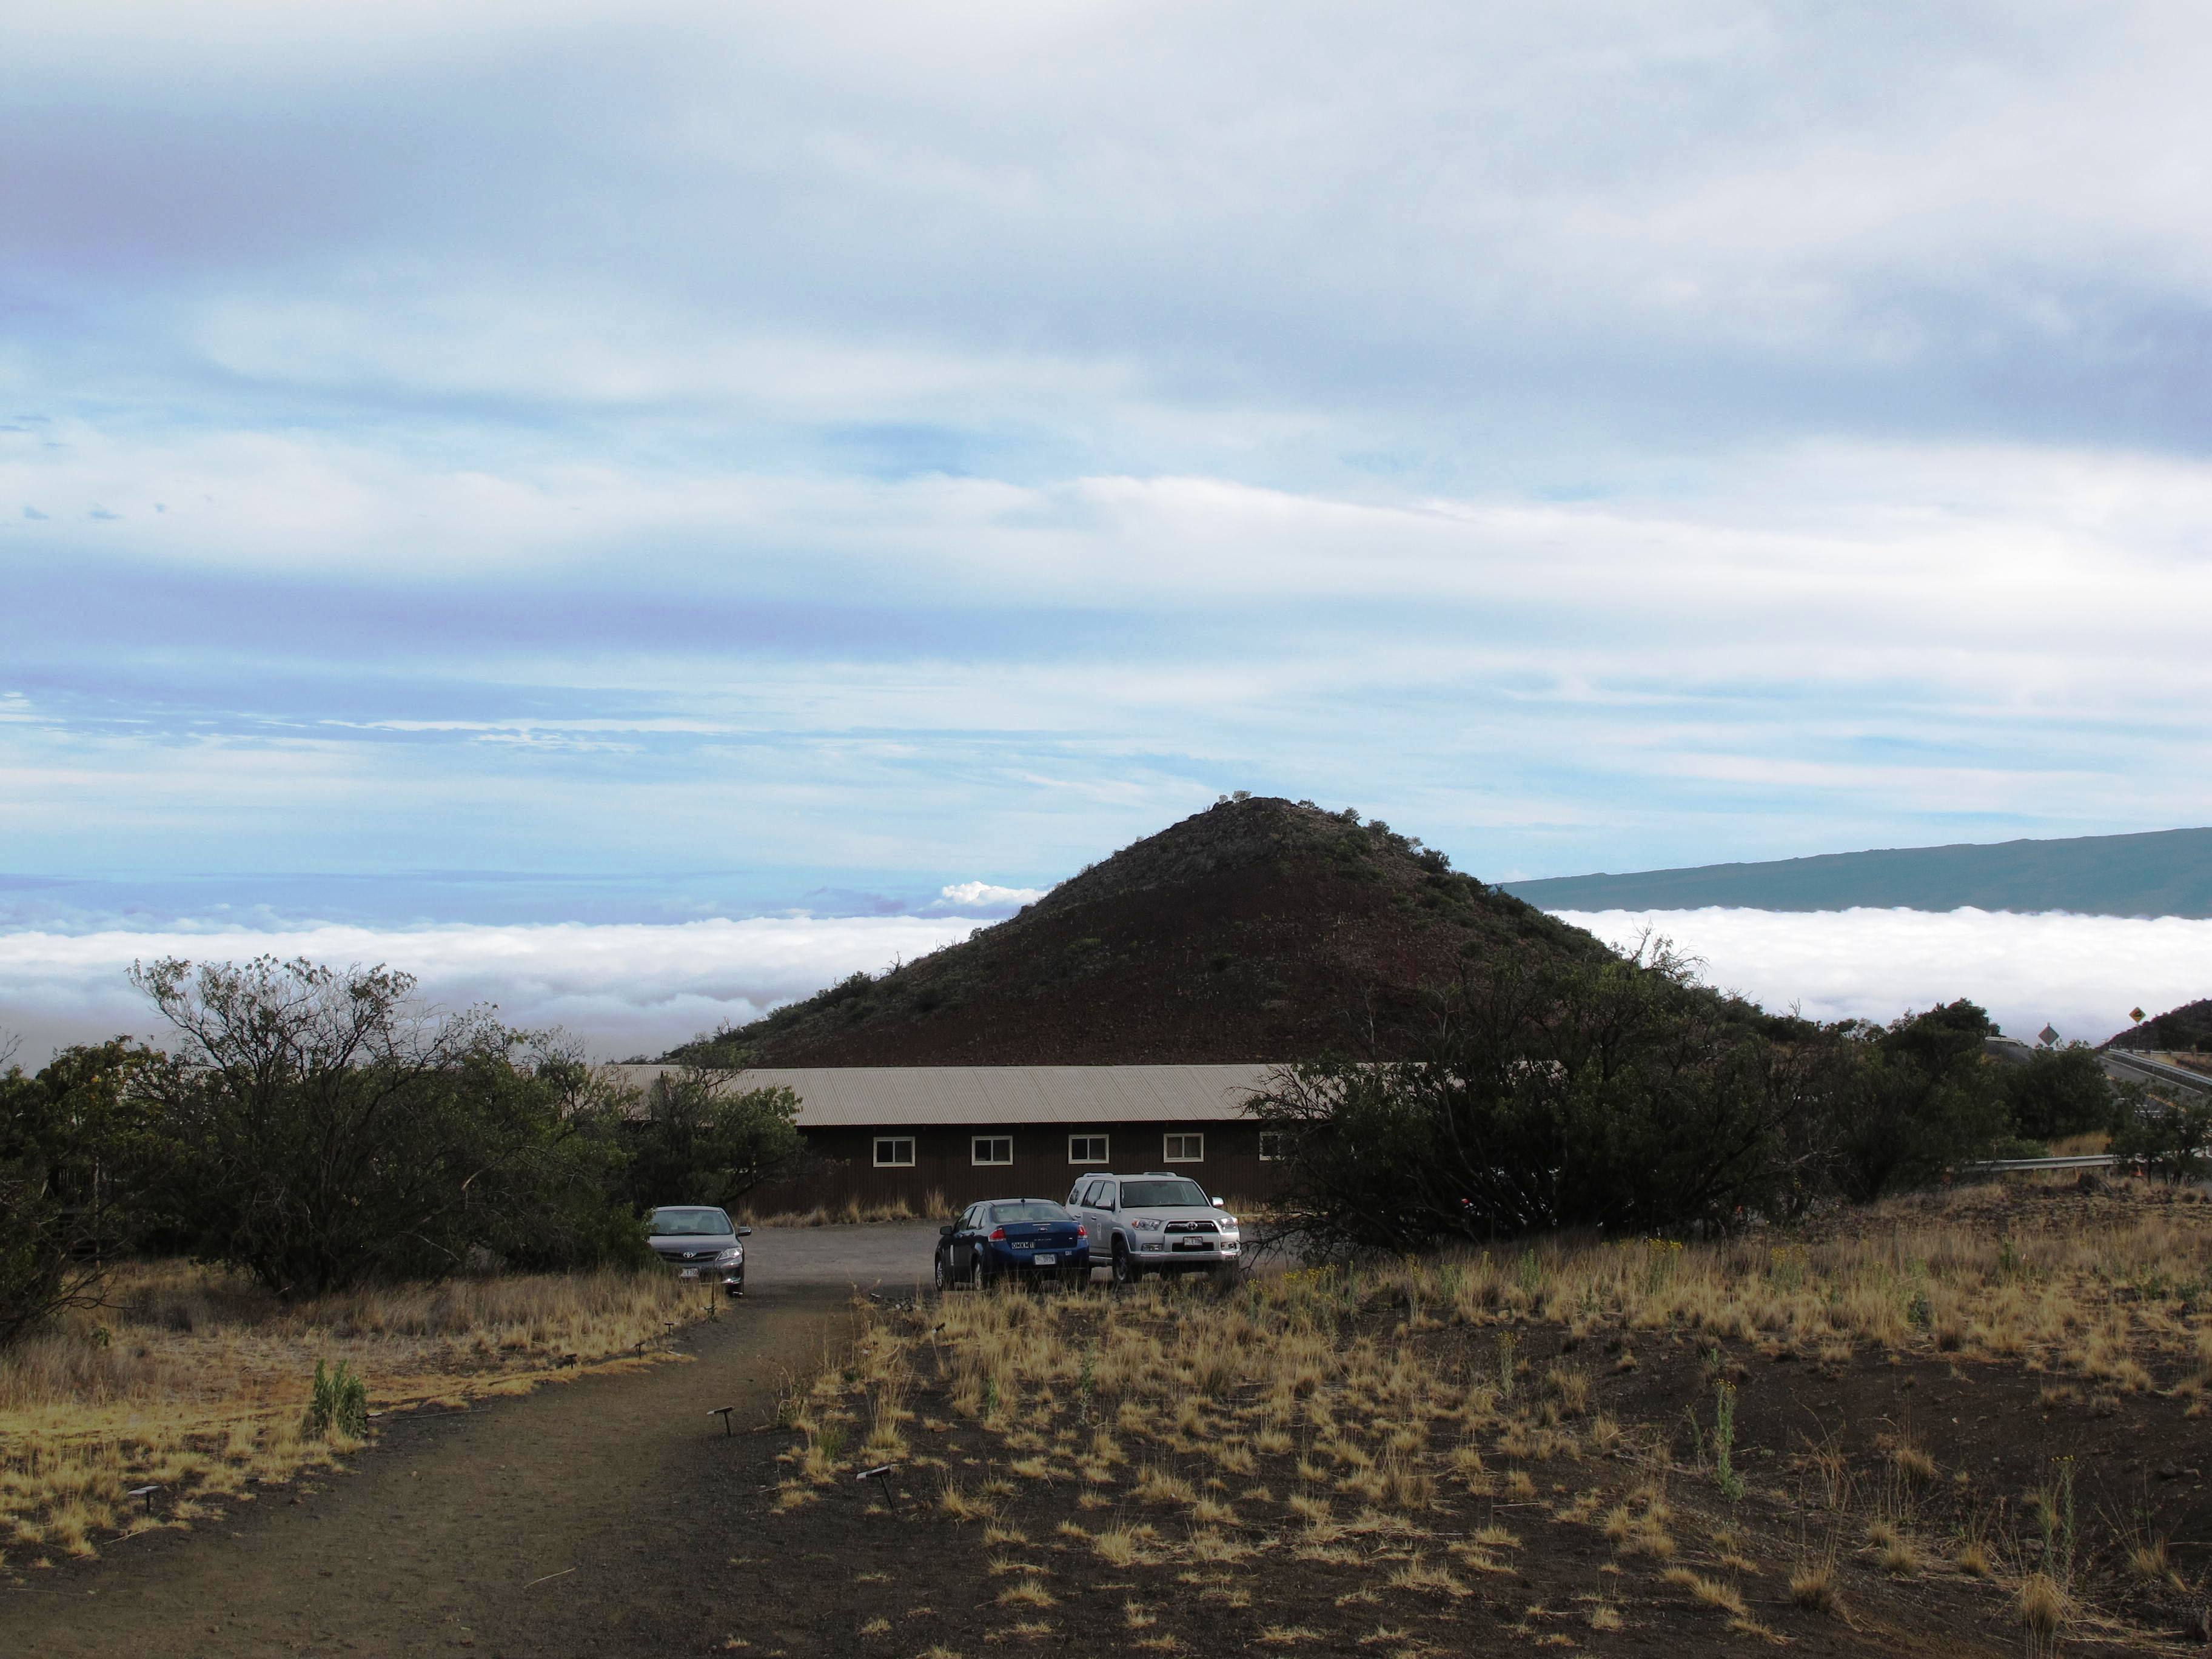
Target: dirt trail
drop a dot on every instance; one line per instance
(449, 1533)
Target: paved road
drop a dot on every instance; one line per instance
(2133, 1067)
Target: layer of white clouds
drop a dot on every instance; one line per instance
(624, 989)
(639, 988)
(2080, 974)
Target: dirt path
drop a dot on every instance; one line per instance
(597, 1516)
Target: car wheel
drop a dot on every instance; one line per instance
(944, 1271)
(977, 1279)
(1125, 1270)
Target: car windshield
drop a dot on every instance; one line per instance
(1038, 1210)
(1161, 1194)
(685, 1224)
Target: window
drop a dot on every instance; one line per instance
(1087, 1149)
(1101, 1195)
(1185, 1149)
(992, 1149)
(894, 1151)
(1274, 1145)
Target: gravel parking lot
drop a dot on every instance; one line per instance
(885, 1256)
(891, 1256)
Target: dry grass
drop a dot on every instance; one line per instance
(2042, 1605)
(1400, 1410)
(1817, 1587)
(1706, 1592)
(197, 1382)
(851, 1213)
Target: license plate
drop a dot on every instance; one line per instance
(1193, 1245)
(687, 1272)
(1047, 1259)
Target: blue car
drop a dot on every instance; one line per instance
(1023, 1238)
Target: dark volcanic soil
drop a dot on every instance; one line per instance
(1256, 931)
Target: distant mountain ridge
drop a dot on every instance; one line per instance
(2163, 873)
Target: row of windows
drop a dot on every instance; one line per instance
(897, 1152)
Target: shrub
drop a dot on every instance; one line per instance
(2059, 1092)
(339, 1402)
(2173, 1142)
(321, 1129)
(1620, 1094)
(74, 1162)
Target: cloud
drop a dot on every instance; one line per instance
(975, 897)
(906, 444)
(2079, 974)
(624, 988)
(630, 988)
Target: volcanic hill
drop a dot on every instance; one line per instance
(1259, 929)
(2188, 1027)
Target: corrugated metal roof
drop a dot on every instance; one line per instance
(859, 1096)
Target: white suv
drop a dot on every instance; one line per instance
(1155, 1222)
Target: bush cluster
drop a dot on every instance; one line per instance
(1627, 1096)
(316, 1129)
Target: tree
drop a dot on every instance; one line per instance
(2172, 1140)
(1910, 1100)
(701, 1139)
(2058, 1093)
(74, 1162)
(328, 1129)
(1621, 1095)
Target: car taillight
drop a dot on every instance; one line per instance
(1082, 1231)
(998, 1232)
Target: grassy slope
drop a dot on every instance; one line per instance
(1259, 930)
(1494, 1453)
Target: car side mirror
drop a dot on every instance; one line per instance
(745, 1232)
(1217, 1203)
(944, 1232)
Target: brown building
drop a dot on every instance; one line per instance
(938, 1137)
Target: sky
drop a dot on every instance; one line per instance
(522, 465)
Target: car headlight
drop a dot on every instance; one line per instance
(731, 1257)
(1150, 1224)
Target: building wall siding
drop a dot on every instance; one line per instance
(945, 1177)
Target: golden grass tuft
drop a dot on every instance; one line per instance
(1818, 1587)
(2041, 1604)
(1705, 1592)
(1914, 1464)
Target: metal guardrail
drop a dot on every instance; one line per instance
(2086, 1161)
(2158, 1071)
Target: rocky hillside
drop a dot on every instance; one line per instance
(1259, 929)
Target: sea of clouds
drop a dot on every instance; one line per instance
(2080, 975)
(638, 987)
(624, 988)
